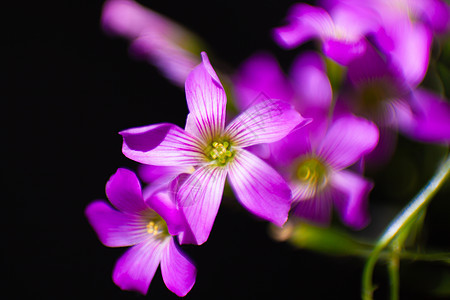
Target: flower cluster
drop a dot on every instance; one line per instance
(298, 144)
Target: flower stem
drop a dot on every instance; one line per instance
(405, 216)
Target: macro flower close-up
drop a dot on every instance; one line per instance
(149, 226)
(276, 149)
(215, 152)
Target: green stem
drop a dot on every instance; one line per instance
(403, 218)
(393, 269)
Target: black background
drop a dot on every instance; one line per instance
(69, 88)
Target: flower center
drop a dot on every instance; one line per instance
(220, 152)
(157, 227)
(312, 172)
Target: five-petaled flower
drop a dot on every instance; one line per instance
(148, 226)
(317, 170)
(216, 151)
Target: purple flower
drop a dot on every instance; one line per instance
(379, 91)
(341, 30)
(216, 151)
(307, 88)
(163, 43)
(148, 226)
(317, 171)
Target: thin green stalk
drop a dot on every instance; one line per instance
(393, 269)
(402, 219)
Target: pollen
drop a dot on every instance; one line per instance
(312, 172)
(157, 227)
(220, 152)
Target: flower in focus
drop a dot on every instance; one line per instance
(163, 43)
(149, 226)
(317, 171)
(215, 152)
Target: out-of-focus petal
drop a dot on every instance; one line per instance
(304, 22)
(115, 229)
(153, 37)
(206, 100)
(342, 51)
(311, 205)
(135, 269)
(260, 78)
(347, 140)
(430, 119)
(259, 188)
(124, 192)
(288, 149)
(199, 198)
(312, 86)
(350, 195)
(265, 122)
(161, 144)
(411, 49)
(177, 270)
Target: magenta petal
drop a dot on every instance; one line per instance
(260, 78)
(343, 52)
(163, 204)
(177, 270)
(115, 229)
(265, 122)
(161, 144)
(411, 53)
(350, 196)
(135, 269)
(259, 188)
(206, 100)
(430, 122)
(311, 205)
(199, 198)
(347, 140)
(124, 192)
(313, 88)
(126, 18)
(304, 22)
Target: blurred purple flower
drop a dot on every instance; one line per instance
(162, 42)
(317, 170)
(148, 225)
(307, 88)
(379, 91)
(215, 152)
(341, 30)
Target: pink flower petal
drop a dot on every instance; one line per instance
(124, 192)
(177, 270)
(135, 269)
(311, 205)
(259, 188)
(350, 196)
(410, 51)
(115, 229)
(429, 122)
(199, 198)
(260, 78)
(265, 122)
(206, 100)
(313, 88)
(305, 22)
(347, 140)
(163, 204)
(162, 145)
